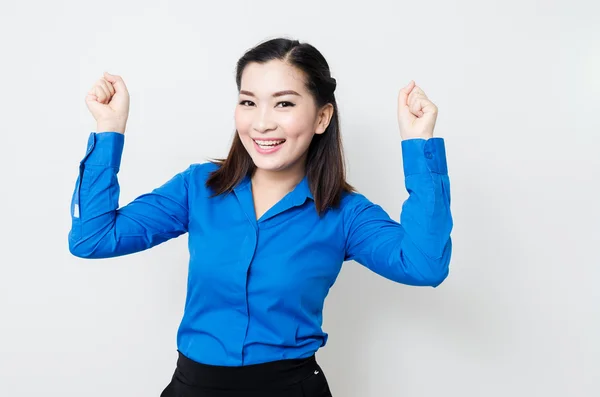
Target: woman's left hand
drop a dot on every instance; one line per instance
(416, 113)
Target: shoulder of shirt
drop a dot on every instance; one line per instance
(351, 206)
(203, 168)
(198, 173)
(352, 201)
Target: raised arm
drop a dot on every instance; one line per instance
(99, 228)
(417, 250)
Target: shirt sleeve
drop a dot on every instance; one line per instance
(99, 228)
(416, 250)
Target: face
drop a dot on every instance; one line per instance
(277, 117)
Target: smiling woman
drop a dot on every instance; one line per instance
(287, 122)
(263, 144)
(270, 225)
(275, 117)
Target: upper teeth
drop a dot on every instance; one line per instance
(269, 143)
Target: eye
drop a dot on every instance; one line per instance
(286, 104)
(246, 102)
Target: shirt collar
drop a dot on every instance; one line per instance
(299, 194)
(302, 190)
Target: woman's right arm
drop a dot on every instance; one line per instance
(100, 229)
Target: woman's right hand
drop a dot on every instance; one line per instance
(108, 101)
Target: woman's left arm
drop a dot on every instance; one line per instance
(417, 250)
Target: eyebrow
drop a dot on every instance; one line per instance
(277, 94)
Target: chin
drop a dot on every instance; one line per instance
(268, 164)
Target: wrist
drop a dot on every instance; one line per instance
(424, 136)
(110, 127)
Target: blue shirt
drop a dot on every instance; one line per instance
(256, 289)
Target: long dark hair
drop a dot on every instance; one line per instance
(325, 166)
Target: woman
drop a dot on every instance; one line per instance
(269, 226)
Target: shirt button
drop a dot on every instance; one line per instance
(428, 155)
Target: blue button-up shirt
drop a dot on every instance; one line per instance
(256, 288)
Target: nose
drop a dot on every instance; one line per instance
(263, 121)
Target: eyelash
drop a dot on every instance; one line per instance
(288, 104)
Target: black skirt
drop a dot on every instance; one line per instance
(284, 378)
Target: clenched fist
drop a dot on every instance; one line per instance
(416, 113)
(108, 101)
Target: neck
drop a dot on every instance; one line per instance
(284, 180)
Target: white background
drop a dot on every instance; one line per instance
(517, 86)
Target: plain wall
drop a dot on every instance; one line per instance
(517, 86)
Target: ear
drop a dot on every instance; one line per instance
(324, 116)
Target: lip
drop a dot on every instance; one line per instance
(270, 150)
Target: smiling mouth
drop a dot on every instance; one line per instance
(268, 144)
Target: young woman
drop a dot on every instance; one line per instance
(270, 225)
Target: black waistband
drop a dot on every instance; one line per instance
(275, 374)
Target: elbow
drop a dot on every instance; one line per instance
(431, 271)
(430, 275)
(79, 248)
(423, 272)
(440, 267)
(436, 278)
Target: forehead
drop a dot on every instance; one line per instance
(271, 76)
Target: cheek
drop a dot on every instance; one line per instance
(242, 122)
(297, 126)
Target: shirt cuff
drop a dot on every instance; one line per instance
(104, 149)
(424, 156)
